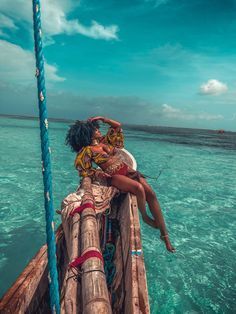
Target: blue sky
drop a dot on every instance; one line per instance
(156, 62)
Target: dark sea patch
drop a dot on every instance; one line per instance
(34, 124)
(19, 117)
(19, 126)
(182, 136)
(193, 137)
(29, 127)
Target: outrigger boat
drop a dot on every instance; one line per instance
(99, 256)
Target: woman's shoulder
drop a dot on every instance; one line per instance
(83, 155)
(84, 150)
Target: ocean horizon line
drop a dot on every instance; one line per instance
(140, 127)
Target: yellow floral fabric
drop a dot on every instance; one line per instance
(114, 137)
(83, 162)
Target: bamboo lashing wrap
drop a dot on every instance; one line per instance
(81, 208)
(81, 259)
(46, 162)
(94, 288)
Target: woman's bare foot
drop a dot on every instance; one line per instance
(169, 246)
(151, 222)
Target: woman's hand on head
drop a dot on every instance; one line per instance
(96, 119)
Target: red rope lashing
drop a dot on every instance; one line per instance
(81, 208)
(81, 259)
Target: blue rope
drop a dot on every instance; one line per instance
(109, 252)
(47, 178)
(109, 266)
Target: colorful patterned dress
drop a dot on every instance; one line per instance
(112, 140)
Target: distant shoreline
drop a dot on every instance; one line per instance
(15, 116)
(139, 127)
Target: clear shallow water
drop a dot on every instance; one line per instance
(196, 189)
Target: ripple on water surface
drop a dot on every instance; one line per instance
(196, 189)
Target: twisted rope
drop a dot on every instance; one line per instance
(110, 233)
(46, 162)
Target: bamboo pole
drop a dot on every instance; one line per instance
(71, 304)
(94, 288)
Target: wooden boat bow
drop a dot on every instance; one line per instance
(89, 292)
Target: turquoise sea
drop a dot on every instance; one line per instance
(196, 189)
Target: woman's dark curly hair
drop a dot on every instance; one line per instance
(80, 134)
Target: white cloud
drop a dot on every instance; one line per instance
(157, 3)
(169, 109)
(6, 23)
(20, 65)
(55, 20)
(98, 31)
(183, 68)
(24, 9)
(209, 117)
(213, 87)
(175, 113)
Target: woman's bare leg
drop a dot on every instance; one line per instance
(143, 193)
(154, 206)
(126, 184)
(155, 209)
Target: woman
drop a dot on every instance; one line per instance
(87, 141)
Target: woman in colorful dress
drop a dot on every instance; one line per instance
(85, 138)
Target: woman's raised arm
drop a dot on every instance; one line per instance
(112, 123)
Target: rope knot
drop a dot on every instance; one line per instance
(80, 209)
(78, 261)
